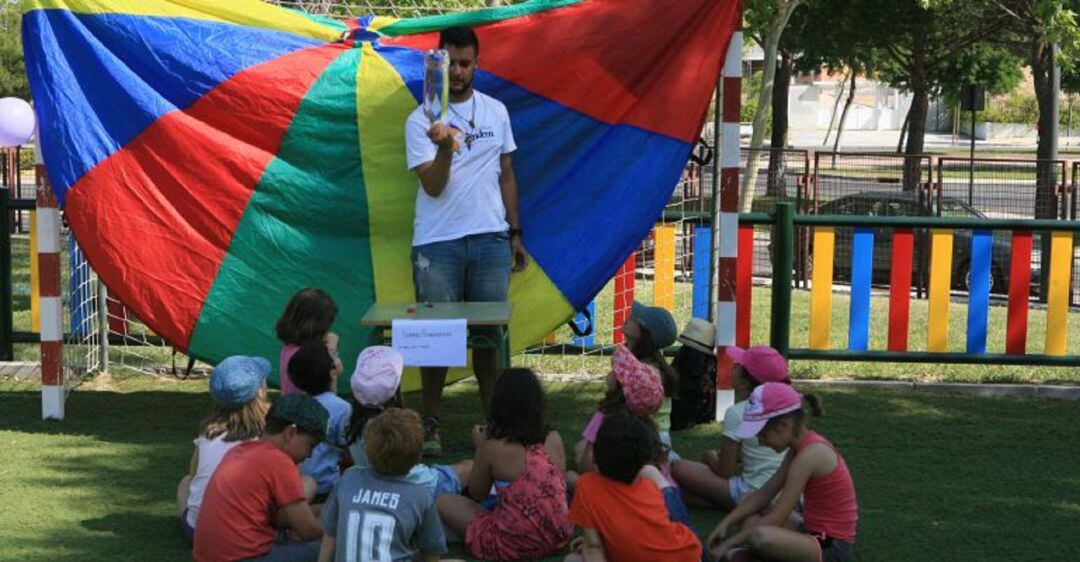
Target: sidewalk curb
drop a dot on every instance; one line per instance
(1044, 391)
(1052, 391)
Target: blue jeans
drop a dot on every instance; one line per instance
(292, 551)
(474, 268)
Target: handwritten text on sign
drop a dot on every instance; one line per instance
(430, 343)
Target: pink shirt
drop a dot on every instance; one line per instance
(287, 352)
(830, 506)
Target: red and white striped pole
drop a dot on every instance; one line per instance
(52, 326)
(727, 218)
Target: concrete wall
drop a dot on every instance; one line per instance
(875, 108)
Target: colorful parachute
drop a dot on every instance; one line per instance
(214, 157)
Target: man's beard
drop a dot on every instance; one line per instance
(462, 89)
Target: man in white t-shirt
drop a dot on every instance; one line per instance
(467, 237)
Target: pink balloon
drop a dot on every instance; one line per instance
(16, 122)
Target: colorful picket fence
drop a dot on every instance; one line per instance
(940, 234)
(1058, 268)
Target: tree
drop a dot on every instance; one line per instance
(13, 82)
(820, 34)
(769, 18)
(1039, 26)
(917, 39)
(789, 48)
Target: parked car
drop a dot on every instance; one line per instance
(904, 204)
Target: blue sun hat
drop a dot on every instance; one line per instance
(236, 380)
(657, 321)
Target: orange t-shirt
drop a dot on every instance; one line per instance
(236, 520)
(632, 520)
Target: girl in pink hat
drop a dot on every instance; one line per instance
(741, 465)
(812, 468)
(632, 386)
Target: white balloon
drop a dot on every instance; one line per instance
(17, 122)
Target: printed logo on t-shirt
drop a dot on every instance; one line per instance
(464, 140)
(482, 133)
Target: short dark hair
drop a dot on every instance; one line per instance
(459, 37)
(517, 408)
(308, 316)
(624, 444)
(310, 367)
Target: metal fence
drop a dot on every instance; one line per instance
(16, 175)
(842, 181)
(781, 175)
(1002, 188)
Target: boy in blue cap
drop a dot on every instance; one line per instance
(257, 489)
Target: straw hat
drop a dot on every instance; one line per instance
(700, 335)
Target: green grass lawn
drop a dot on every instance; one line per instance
(938, 477)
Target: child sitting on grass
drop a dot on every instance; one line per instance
(238, 387)
(648, 331)
(525, 461)
(375, 385)
(376, 512)
(628, 511)
(632, 386)
(313, 371)
(256, 489)
(742, 465)
(307, 317)
(812, 468)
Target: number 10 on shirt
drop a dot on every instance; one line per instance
(375, 531)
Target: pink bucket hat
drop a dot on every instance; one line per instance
(377, 375)
(641, 385)
(768, 401)
(762, 362)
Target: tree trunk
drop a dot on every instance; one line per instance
(920, 105)
(835, 108)
(843, 114)
(781, 87)
(768, 74)
(1046, 204)
(903, 132)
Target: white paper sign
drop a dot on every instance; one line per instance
(430, 343)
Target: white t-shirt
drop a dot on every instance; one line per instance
(758, 461)
(210, 453)
(472, 201)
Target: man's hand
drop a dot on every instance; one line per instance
(521, 257)
(441, 135)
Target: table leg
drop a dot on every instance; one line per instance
(504, 346)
